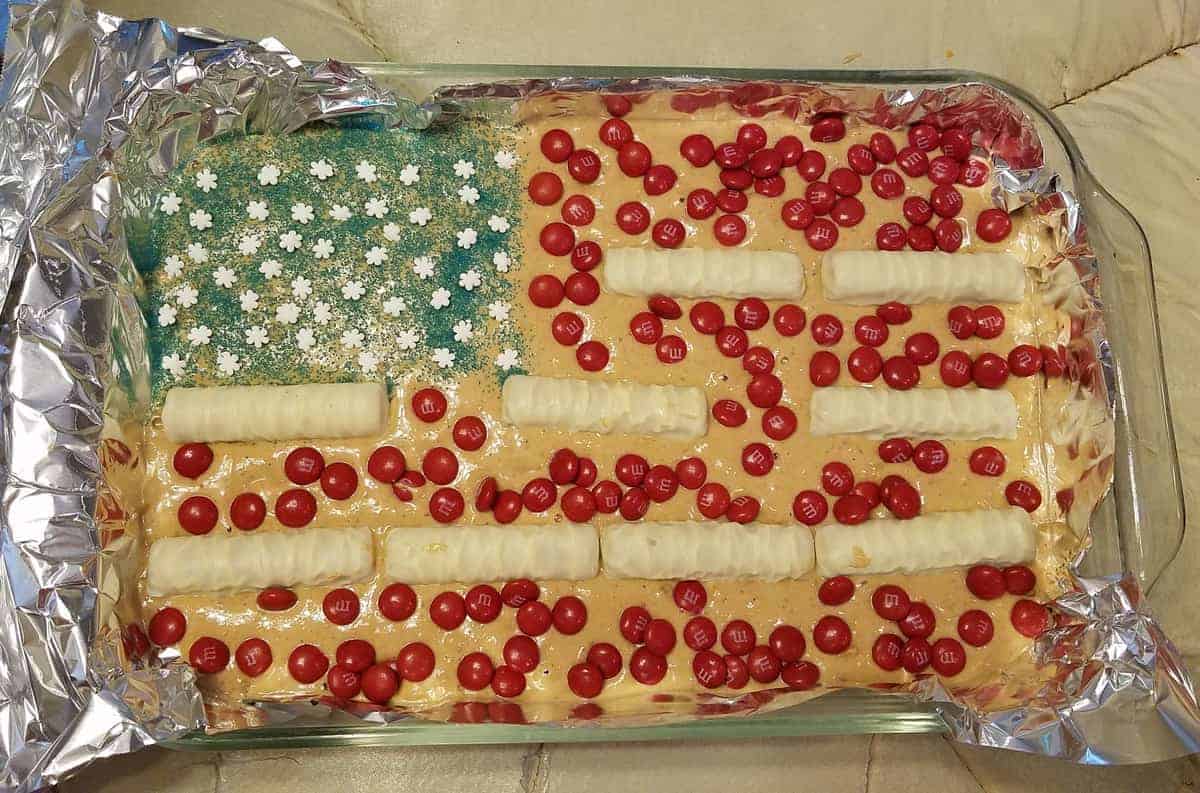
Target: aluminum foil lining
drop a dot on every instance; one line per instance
(97, 110)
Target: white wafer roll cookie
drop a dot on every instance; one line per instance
(700, 272)
(275, 412)
(605, 407)
(214, 563)
(873, 277)
(927, 542)
(961, 413)
(440, 554)
(707, 550)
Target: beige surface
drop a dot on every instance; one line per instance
(1058, 50)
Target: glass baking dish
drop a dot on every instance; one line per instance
(1137, 527)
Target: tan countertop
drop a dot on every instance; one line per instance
(1124, 75)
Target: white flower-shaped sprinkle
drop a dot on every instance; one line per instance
(468, 195)
(199, 220)
(249, 244)
(463, 331)
(224, 277)
(410, 175)
(305, 339)
(464, 169)
(170, 203)
(268, 174)
(322, 313)
(287, 313)
(353, 290)
(443, 358)
(420, 216)
(352, 338)
(302, 213)
(248, 300)
(507, 359)
(172, 266)
(501, 260)
(375, 208)
(394, 306)
(339, 212)
(440, 297)
(197, 253)
(505, 160)
(185, 296)
(227, 363)
(270, 268)
(498, 224)
(173, 364)
(498, 310)
(301, 287)
(376, 256)
(407, 339)
(206, 180)
(167, 314)
(368, 361)
(466, 238)
(423, 267)
(322, 248)
(391, 232)
(290, 241)
(470, 279)
(199, 335)
(256, 335)
(366, 171)
(320, 169)
(257, 210)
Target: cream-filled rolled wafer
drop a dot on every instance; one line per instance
(960, 413)
(467, 554)
(873, 277)
(275, 412)
(702, 272)
(605, 407)
(707, 550)
(216, 563)
(927, 542)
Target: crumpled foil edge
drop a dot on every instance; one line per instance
(97, 110)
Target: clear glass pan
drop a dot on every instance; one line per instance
(1138, 527)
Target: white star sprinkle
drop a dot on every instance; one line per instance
(352, 338)
(498, 224)
(464, 169)
(505, 160)
(507, 359)
(257, 210)
(440, 297)
(170, 203)
(420, 216)
(256, 335)
(423, 267)
(249, 245)
(172, 266)
(290, 241)
(394, 306)
(248, 300)
(224, 277)
(173, 364)
(287, 313)
(305, 339)
(322, 248)
(466, 238)
(376, 208)
(339, 212)
(353, 290)
(410, 175)
(301, 287)
(320, 169)
(270, 268)
(199, 335)
(376, 256)
(366, 171)
(391, 232)
(197, 253)
(206, 180)
(463, 331)
(167, 314)
(470, 279)
(407, 339)
(501, 260)
(302, 213)
(468, 195)
(199, 220)
(185, 296)
(268, 175)
(368, 361)
(227, 363)
(322, 313)
(443, 358)
(498, 310)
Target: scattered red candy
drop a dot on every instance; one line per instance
(661, 484)
(1029, 617)
(507, 507)
(948, 235)
(975, 627)
(1024, 360)
(197, 514)
(380, 683)
(993, 225)
(758, 360)
(691, 472)
(534, 618)
(448, 610)
(831, 635)
(736, 178)
(890, 602)
(545, 188)
(521, 653)
(821, 235)
(690, 596)
(615, 132)
(545, 291)
(1019, 579)
(587, 472)
(475, 671)
(870, 330)
(955, 369)
(307, 664)
(732, 342)
(948, 657)
(757, 459)
(339, 481)
(658, 179)
(578, 210)
(738, 637)
(729, 230)
(860, 158)
(827, 129)
(920, 238)
(276, 598)
(916, 656)
(253, 657)
(985, 582)
(944, 170)
(931, 456)
(416, 661)
(539, 495)
(835, 591)
(797, 213)
(668, 233)
(903, 500)
(737, 673)
(987, 461)
(167, 626)
(557, 145)
(660, 637)
(208, 655)
(837, 479)
(729, 413)
(707, 317)
(895, 450)
(585, 679)
(731, 155)
(826, 329)
(823, 368)
(355, 654)
(887, 651)
(633, 622)
(821, 197)
(890, 237)
(646, 667)
(483, 603)
(397, 602)
(729, 200)
(248, 511)
(900, 373)
(341, 606)
(764, 390)
(912, 161)
(864, 364)
(1023, 494)
(709, 669)
(919, 621)
(386, 464)
(779, 423)
(917, 210)
(518, 592)
(592, 356)
(192, 459)
(440, 465)
(586, 256)
(989, 371)
(557, 239)
(974, 173)
(569, 615)
(303, 465)
(712, 500)
(989, 322)
(579, 504)
(584, 165)
(700, 633)
(811, 165)
(810, 507)
(634, 504)
(633, 217)
(921, 348)
(671, 349)
(789, 320)
(764, 665)
(851, 509)
(697, 149)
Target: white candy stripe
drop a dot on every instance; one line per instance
(707, 550)
(964, 413)
(703, 272)
(467, 554)
(275, 412)
(255, 560)
(872, 277)
(927, 542)
(605, 407)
